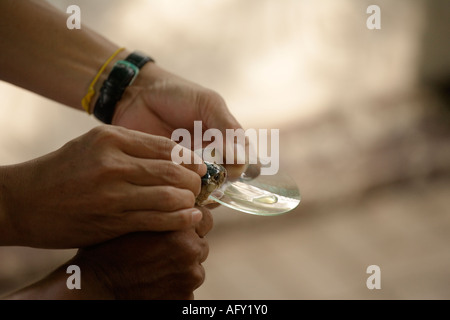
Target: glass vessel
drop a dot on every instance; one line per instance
(265, 195)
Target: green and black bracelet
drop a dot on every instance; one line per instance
(121, 76)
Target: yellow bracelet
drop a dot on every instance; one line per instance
(86, 101)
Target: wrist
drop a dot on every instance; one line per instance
(121, 74)
(104, 75)
(150, 77)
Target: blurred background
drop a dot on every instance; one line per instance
(364, 130)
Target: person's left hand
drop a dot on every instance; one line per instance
(158, 102)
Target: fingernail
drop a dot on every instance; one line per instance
(196, 215)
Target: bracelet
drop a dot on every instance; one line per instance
(122, 75)
(86, 101)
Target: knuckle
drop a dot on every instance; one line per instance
(105, 135)
(206, 224)
(171, 173)
(175, 198)
(211, 99)
(108, 202)
(196, 276)
(205, 252)
(181, 177)
(168, 197)
(184, 221)
(188, 199)
(109, 162)
(102, 132)
(110, 165)
(189, 247)
(114, 199)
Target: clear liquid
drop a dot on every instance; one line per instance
(266, 199)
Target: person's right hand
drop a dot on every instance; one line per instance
(106, 183)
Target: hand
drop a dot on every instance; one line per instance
(149, 265)
(106, 183)
(158, 102)
(145, 265)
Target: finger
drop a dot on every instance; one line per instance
(162, 221)
(142, 145)
(204, 250)
(163, 173)
(157, 198)
(190, 280)
(213, 205)
(188, 159)
(215, 113)
(205, 225)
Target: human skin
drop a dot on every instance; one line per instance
(106, 183)
(40, 54)
(145, 265)
(76, 196)
(36, 45)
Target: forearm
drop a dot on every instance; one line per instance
(41, 54)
